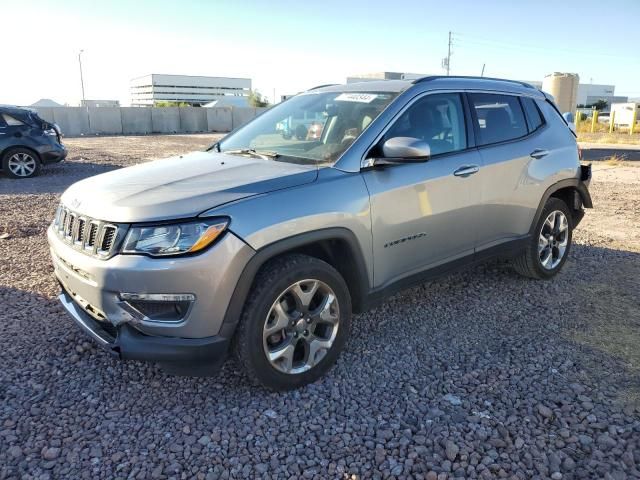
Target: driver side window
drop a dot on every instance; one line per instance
(437, 119)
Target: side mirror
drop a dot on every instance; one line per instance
(406, 149)
(401, 150)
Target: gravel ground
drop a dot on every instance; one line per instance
(482, 374)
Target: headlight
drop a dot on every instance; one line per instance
(175, 239)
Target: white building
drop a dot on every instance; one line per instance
(194, 90)
(367, 77)
(99, 103)
(589, 93)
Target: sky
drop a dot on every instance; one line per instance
(289, 46)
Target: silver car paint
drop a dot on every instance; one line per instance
(512, 182)
(335, 199)
(180, 187)
(211, 276)
(268, 201)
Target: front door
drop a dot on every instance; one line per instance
(423, 214)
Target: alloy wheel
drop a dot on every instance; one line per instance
(22, 164)
(301, 326)
(553, 240)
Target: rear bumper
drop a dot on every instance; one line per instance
(53, 153)
(181, 356)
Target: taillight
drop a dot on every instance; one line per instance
(579, 153)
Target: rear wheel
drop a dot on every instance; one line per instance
(548, 249)
(20, 163)
(295, 322)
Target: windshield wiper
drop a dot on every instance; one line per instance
(263, 154)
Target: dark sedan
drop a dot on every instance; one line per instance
(27, 142)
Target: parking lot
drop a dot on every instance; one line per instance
(481, 374)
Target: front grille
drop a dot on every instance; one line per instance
(91, 236)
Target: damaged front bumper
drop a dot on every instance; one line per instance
(188, 356)
(165, 310)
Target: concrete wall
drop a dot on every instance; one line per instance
(76, 121)
(193, 120)
(136, 120)
(73, 121)
(105, 120)
(165, 120)
(219, 119)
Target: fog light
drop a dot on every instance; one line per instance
(162, 307)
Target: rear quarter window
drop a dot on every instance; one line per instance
(534, 117)
(11, 121)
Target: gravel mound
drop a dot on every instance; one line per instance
(482, 374)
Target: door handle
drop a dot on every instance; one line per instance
(466, 170)
(539, 153)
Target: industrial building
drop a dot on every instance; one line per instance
(99, 103)
(367, 77)
(150, 89)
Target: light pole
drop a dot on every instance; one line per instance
(81, 79)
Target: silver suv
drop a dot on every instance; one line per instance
(265, 244)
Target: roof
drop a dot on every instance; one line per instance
(439, 83)
(15, 109)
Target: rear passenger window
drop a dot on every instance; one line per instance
(500, 117)
(534, 117)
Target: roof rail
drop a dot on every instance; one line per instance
(463, 77)
(322, 86)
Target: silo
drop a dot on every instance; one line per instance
(564, 88)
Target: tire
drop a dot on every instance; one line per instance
(533, 262)
(21, 163)
(273, 302)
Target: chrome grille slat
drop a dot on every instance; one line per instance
(89, 235)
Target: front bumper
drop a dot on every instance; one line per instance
(186, 356)
(92, 290)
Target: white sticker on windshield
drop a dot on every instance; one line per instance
(356, 97)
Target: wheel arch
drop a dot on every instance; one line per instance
(573, 192)
(336, 246)
(7, 149)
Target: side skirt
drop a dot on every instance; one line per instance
(506, 250)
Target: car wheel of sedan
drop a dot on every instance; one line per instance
(20, 163)
(295, 322)
(550, 244)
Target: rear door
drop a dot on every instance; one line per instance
(424, 213)
(3, 132)
(13, 126)
(509, 175)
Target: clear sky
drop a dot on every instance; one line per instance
(293, 45)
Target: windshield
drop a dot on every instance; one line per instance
(309, 128)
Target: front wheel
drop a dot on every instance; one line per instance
(295, 322)
(549, 248)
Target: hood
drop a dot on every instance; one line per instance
(181, 187)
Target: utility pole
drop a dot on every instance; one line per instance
(81, 79)
(449, 56)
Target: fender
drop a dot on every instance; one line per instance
(240, 293)
(576, 183)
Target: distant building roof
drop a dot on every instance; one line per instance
(229, 101)
(45, 102)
